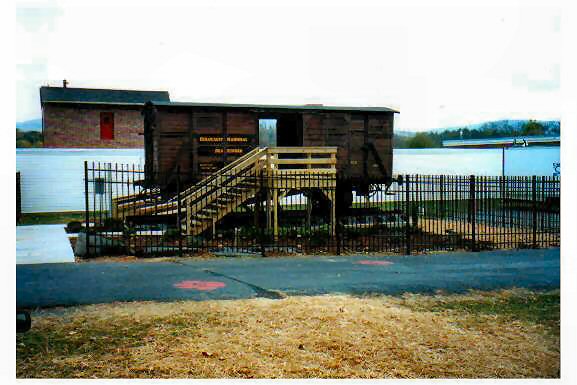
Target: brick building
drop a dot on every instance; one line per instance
(94, 118)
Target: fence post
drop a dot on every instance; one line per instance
(86, 209)
(407, 215)
(260, 229)
(473, 212)
(338, 227)
(178, 219)
(442, 195)
(534, 200)
(338, 236)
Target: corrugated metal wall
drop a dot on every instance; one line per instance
(53, 179)
(519, 161)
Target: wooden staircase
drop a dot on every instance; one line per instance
(208, 201)
(222, 192)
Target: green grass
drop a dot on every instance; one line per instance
(542, 308)
(51, 218)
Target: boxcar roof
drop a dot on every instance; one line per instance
(99, 96)
(272, 107)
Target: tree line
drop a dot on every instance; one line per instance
(28, 139)
(489, 130)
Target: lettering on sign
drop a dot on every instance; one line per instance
(219, 150)
(219, 139)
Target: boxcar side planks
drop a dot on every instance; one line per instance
(202, 138)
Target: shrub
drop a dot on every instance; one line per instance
(73, 227)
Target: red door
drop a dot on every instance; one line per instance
(107, 125)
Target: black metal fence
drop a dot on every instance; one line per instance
(236, 215)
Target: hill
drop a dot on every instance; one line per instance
(30, 125)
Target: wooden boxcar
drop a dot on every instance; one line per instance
(201, 138)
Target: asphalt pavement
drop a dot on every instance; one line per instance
(68, 284)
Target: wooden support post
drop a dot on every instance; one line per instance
(333, 160)
(268, 209)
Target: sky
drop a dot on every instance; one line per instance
(441, 66)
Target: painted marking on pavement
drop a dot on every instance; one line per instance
(200, 285)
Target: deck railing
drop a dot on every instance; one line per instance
(287, 160)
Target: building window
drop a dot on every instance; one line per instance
(107, 125)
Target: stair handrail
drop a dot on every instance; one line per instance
(226, 168)
(212, 192)
(244, 161)
(201, 186)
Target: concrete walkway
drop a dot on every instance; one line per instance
(42, 244)
(48, 285)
